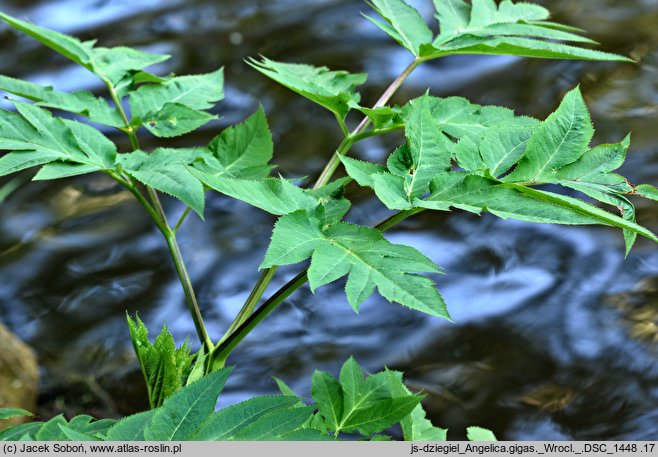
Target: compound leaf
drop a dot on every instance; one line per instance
(333, 90)
(79, 102)
(369, 260)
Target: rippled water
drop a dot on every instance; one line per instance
(556, 334)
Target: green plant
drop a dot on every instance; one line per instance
(457, 155)
(362, 407)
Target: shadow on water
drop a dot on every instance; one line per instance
(556, 333)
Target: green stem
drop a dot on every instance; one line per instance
(224, 348)
(182, 219)
(157, 214)
(330, 168)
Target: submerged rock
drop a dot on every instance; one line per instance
(19, 375)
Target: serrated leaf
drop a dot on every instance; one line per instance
(198, 92)
(560, 140)
(113, 64)
(51, 430)
(647, 191)
(328, 396)
(276, 196)
(582, 208)
(503, 146)
(166, 171)
(515, 46)
(381, 116)
(381, 414)
(58, 170)
(243, 150)
(305, 434)
(17, 432)
(517, 29)
(163, 366)
(476, 194)
(79, 102)
(599, 160)
(332, 198)
(130, 428)
(273, 425)
(361, 171)
(480, 434)
(68, 46)
(453, 16)
(8, 413)
(364, 254)
(39, 138)
(407, 26)
(228, 422)
(74, 435)
(182, 414)
(415, 426)
(110, 64)
(175, 119)
(390, 190)
(429, 150)
(333, 90)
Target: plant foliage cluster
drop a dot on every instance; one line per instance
(456, 155)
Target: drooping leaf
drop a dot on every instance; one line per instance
(70, 47)
(580, 207)
(404, 24)
(519, 29)
(198, 92)
(362, 253)
(333, 90)
(79, 102)
(182, 414)
(8, 413)
(110, 64)
(276, 196)
(130, 428)
(39, 138)
(229, 422)
(560, 140)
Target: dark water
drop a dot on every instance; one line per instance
(556, 334)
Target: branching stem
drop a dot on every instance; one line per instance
(357, 134)
(157, 213)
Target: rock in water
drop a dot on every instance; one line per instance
(19, 375)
